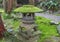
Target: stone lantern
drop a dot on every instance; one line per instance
(28, 29)
(2, 29)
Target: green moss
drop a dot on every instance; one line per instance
(28, 8)
(46, 28)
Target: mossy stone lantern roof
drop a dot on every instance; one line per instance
(28, 9)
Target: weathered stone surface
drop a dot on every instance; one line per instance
(29, 36)
(54, 23)
(58, 29)
(52, 39)
(28, 31)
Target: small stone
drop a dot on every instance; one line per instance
(10, 30)
(54, 23)
(5, 25)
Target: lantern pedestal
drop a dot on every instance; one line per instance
(28, 29)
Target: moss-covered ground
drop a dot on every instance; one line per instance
(46, 28)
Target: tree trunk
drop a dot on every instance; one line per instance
(2, 29)
(8, 5)
(5, 5)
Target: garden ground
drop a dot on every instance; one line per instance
(44, 26)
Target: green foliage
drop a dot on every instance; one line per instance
(50, 4)
(9, 21)
(6, 34)
(6, 16)
(0, 1)
(28, 8)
